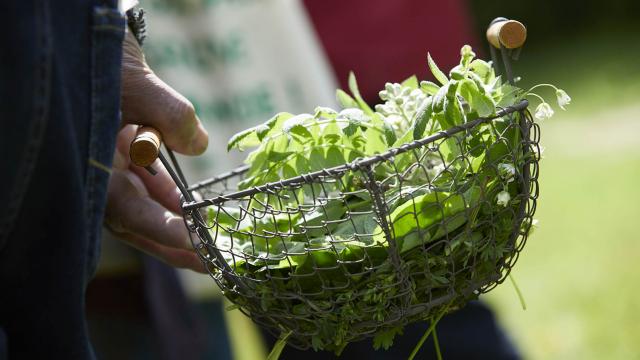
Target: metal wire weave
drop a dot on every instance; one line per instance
(341, 254)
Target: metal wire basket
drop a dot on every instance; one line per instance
(328, 257)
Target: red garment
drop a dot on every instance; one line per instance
(382, 40)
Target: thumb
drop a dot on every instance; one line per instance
(147, 100)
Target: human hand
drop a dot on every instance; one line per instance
(143, 209)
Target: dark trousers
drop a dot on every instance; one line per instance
(59, 114)
(470, 333)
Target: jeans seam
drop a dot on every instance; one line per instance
(97, 164)
(107, 22)
(39, 122)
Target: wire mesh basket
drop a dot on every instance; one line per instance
(371, 244)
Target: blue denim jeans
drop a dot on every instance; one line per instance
(59, 115)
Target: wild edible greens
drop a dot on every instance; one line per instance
(319, 254)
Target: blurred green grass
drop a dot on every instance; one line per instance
(579, 271)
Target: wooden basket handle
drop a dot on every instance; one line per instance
(145, 146)
(510, 34)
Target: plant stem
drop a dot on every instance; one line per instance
(279, 346)
(515, 286)
(537, 96)
(541, 85)
(436, 343)
(426, 333)
(421, 342)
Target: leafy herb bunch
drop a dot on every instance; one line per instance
(360, 251)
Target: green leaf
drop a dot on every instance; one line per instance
(332, 132)
(302, 164)
(280, 143)
(376, 141)
(429, 87)
(351, 129)
(384, 339)
(244, 139)
(325, 112)
(450, 149)
(479, 102)
(429, 217)
(353, 87)
(289, 171)
(316, 159)
(509, 95)
(331, 210)
(422, 211)
(334, 157)
(301, 132)
(226, 217)
(272, 125)
(422, 118)
(275, 156)
(411, 82)
(439, 98)
(345, 100)
(482, 69)
(389, 133)
(452, 110)
(437, 73)
(457, 73)
(477, 162)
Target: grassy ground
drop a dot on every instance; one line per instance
(579, 272)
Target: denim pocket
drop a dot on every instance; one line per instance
(106, 57)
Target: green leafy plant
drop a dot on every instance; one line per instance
(332, 262)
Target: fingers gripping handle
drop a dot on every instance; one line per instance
(145, 147)
(510, 34)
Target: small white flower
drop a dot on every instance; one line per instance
(394, 120)
(563, 98)
(539, 150)
(410, 106)
(437, 169)
(507, 171)
(389, 88)
(503, 198)
(417, 94)
(543, 111)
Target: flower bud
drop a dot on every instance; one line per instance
(503, 198)
(563, 98)
(543, 111)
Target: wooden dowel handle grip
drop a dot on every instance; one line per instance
(145, 146)
(509, 34)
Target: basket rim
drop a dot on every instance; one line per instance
(340, 169)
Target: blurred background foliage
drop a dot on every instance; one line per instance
(579, 272)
